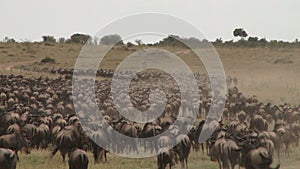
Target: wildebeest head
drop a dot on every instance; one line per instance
(26, 146)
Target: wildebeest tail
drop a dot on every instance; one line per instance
(96, 152)
(83, 160)
(10, 156)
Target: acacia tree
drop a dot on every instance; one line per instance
(61, 40)
(9, 40)
(139, 42)
(240, 32)
(80, 38)
(111, 40)
(48, 38)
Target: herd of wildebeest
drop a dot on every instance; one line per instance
(45, 113)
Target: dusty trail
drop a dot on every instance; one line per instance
(10, 66)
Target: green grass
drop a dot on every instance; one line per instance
(41, 160)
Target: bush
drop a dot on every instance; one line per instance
(80, 38)
(49, 39)
(48, 60)
(111, 40)
(61, 40)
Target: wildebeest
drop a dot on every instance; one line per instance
(15, 142)
(259, 158)
(8, 159)
(42, 136)
(131, 131)
(259, 123)
(150, 130)
(166, 156)
(48, 102)
(231, 153)
(183, 149)
(68, 138)
(275, 138)
(216, 152)
(78, 159)
(194, 137)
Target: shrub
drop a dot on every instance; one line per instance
(48, 60)
(80, 38)
(111, 40)
(49, 39)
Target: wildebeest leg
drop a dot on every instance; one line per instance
(289, 150)
(145, 145)
(54, 151)
(182, 164)
(129, 147)
(96, 153)
(232, 163)
(278, 154)
(195, 146)
(102, 155)
(123, 147)
(242, 160)
(219, 162)
(105, 157)
(207, 146)
(287, 147)
(225, 163)
(153, 146)
(63, 156)
(45, 145)
(186, 163)
(134, 147)
(17, 155)
(202, 147)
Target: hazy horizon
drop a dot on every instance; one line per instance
(30, 19)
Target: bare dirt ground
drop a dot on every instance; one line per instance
(11, 65)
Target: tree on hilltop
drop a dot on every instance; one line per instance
(50, 39)
(240, 32)
(80, 38)
(111, 40)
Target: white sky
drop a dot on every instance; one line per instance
(31, 19)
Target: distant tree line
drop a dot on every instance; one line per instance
(172, 40)
(9, 40)
(75, 38)
(253, 41)
(86, 39)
